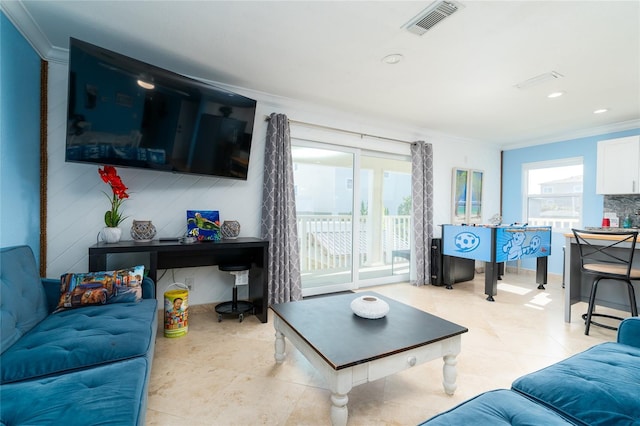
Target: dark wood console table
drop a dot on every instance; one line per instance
(172, 254)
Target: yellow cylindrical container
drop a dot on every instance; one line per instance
(176, 310)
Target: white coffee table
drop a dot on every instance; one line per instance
(348, 350)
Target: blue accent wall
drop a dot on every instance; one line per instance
(19, 140)
(592, 203)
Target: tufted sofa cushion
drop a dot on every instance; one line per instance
(112, 394)
(498, 407)
(82, 338)
(600, 386)
(22, 298)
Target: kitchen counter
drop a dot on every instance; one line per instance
(605, 237)
(608, 228)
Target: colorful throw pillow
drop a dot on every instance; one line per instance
(100, 288)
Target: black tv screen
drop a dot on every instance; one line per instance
(124, 112)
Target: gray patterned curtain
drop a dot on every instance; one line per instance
(422, 208)
(279, 225)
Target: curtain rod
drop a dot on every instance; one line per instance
(320, 126)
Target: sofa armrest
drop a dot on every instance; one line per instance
(148, 288)
(52, 291)
(629, 332)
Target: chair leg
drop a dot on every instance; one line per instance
(632, 300)
(234, 299)
(592, 303)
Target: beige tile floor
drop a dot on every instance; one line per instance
(225, 374)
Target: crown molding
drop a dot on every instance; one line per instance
(31, 31)
(24, 23)
(578, 134)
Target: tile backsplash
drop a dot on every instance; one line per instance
(624, 205)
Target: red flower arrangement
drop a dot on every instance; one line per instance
(113, 217)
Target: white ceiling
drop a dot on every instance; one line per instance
(456, 79)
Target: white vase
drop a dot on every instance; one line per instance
(142, 231)
(110, 235)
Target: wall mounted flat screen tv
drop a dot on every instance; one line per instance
(124, 112)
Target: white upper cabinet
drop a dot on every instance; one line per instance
(618, 166)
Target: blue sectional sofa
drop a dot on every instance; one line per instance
(83, 366)
(599, 386)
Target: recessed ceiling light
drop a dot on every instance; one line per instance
(555, 95)
(392, 59)
(601, 110)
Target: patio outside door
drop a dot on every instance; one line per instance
(351, 206)
(385, 214)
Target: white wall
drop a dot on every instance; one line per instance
(76, 204)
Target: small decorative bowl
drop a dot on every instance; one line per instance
(369, 307)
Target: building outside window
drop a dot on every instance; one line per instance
(553, 193)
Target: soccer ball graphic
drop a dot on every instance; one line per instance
(534, 244)
(466, 241)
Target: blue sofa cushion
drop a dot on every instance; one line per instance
(23, 299)
(629, 331)
(82, 338)
(600, 386)
(498, 407)
(112, 394)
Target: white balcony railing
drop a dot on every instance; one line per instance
(558, 224)
(326, 241)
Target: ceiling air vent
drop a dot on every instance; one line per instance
(431, 16)
(538, 79)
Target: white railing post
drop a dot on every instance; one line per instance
(323, 246)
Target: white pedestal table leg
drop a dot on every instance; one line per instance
(280, 347)
(339, 410)
(449, 374)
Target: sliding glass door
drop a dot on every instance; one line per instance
(353, 211)
(385, 188)
(324, 206)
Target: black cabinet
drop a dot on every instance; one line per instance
(447, 270)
